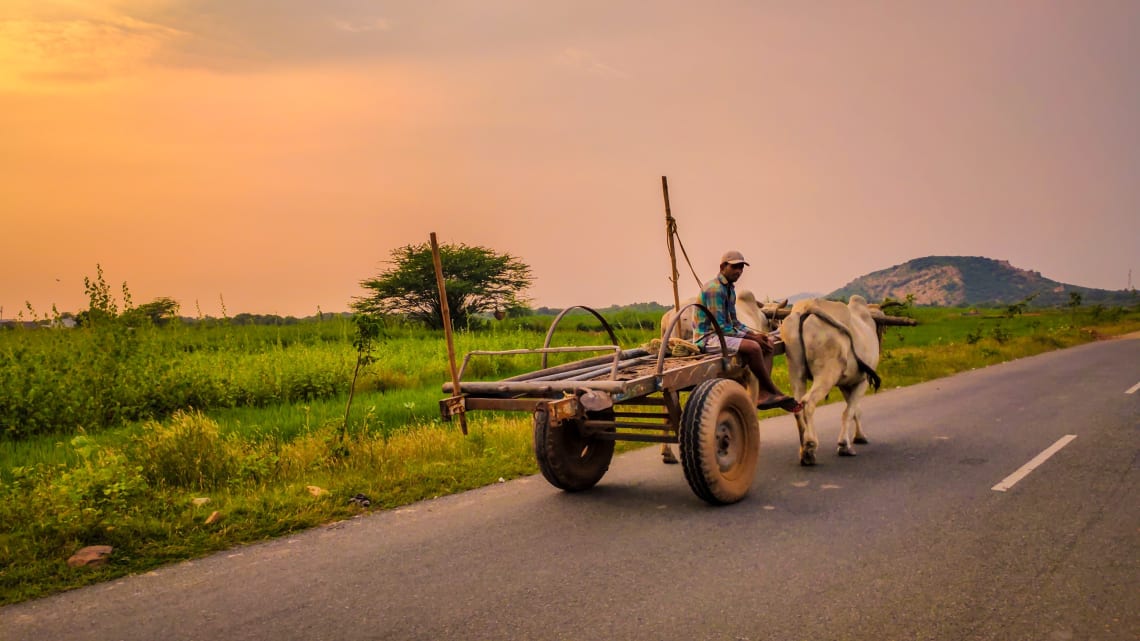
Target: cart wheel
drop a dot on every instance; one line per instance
(720, 441)
(568, 459)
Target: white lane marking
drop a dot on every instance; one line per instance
(1133, 388)
(1024, 470)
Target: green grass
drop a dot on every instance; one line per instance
(131, 483)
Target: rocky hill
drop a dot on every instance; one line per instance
(959, 281)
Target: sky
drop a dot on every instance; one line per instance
(265, 156)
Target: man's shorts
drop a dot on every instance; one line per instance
(712, 344)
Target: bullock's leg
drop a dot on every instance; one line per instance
(851, 414)
(667, 456)
(844, 445)
(799, 387)
(805, 420)
(807, 401)
(826, 376)
(857, 414)
(808, 441)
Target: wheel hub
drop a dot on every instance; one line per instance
(725, 445)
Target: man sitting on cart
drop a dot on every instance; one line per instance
(756, 348)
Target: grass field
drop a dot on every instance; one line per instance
(115, 435)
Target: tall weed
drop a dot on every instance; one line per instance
(187, 451)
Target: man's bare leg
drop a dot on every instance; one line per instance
(771, 396)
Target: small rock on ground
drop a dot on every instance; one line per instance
(90, 556)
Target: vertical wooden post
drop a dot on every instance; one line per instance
(447, 327)
(667, 455)
(670, 233)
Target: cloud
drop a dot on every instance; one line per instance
(586, 62)
(259, 35)
(374, 24)
(251, 35)
(55, 41)
(75, 47)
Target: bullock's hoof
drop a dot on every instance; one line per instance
(861, 440)
(668, 458)
(807, 456)
(845, 450)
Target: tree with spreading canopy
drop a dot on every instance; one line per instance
(477, 280)
(159, 311)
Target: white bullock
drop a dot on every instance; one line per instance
(830, 344)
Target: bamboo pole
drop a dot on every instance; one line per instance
(670, 233)
(447, 326)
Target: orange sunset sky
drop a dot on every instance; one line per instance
(271, 153)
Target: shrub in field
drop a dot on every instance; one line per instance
(1000, 334)
(974, 336)
(31, 400)
(187, 452)
(106, 483)
(47, 511)
(53, 383)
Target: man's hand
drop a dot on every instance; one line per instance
(765, 340)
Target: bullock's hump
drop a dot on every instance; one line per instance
(860, 311)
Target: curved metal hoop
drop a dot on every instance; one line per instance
(558, 318)
(669, 334)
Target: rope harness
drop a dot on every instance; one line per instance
(672, 223)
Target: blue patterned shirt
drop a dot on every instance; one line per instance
(719, 296)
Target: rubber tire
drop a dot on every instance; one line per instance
(720, 441)
(569, 460)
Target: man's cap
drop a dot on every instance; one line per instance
(732, 257)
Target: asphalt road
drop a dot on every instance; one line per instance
(905, 541)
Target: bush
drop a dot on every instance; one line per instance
(1000, 334)
(188, 452)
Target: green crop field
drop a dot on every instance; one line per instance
(135, 436)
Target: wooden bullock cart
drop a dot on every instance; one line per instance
(582, 408)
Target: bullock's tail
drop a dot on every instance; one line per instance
(868, 371)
